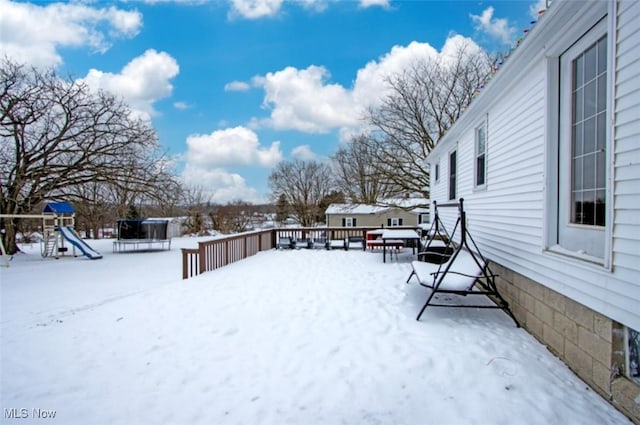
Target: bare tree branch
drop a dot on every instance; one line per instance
(304, 185)
(425, 100)
(60, 139)
(356, 174)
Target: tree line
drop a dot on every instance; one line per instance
(59, 139)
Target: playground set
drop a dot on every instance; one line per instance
(58, 222)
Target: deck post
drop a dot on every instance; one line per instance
(202, 258)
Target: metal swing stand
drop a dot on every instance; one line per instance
(472, 267)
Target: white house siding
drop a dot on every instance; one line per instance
(509, 211)
(508, 219)
(626, 230)
(438, 190)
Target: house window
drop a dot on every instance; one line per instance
(481, 155)
(588, 135)
(452, 175)
(349, 222)
(394, 221)
(582, 146)
(423, 218)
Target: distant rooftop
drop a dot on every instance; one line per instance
(416, 205)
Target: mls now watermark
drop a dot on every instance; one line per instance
(16, 413)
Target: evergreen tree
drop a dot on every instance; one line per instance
(132, 212)
(282, 209)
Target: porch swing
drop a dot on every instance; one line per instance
(455, 268)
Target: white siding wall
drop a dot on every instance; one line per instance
(509, 212)
(507, 219)
(438, 189)
(627, 144)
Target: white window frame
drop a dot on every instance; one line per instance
(455, 175)
(395, 221)
(558, 149)
(348, 222)
(480, 129)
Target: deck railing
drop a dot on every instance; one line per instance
(216, 253)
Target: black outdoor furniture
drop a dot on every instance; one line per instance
(455, 268)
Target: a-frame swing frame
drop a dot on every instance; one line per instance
(484, 284)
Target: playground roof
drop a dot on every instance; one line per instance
(59, 208)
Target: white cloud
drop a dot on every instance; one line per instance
(304, 101)
(231, 147)
(370, 86)
(315, 5)
(237, 86)
(141, 82)
(33, 34)
(534, 9)
(254, 9)
(187, 2)
(303, 152)
(497, 28)
(220, 185)
(456, 43)
(371, 3)
(209, 156)
(181, 105)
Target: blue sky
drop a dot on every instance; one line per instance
(234, 87)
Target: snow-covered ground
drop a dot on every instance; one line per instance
(283, 337)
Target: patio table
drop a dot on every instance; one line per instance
(405, 235)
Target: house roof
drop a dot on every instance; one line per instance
(354, 209)
(416, 205)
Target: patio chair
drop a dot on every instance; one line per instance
(285, 242)
(336, 244)
(319, 243)
(355, 242)
(457, 269)
(303, 243)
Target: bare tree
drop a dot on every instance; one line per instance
(425, 100)
(100, 204)
(356, 174)
(235, 217)
(303, 184)
(152, 187)
(57, 135)
(196, 202)
(93, 209)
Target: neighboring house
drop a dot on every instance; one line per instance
(400, 212)
(547, 159)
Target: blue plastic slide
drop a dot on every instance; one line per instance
(69, 234)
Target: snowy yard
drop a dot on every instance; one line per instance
(284, 337)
